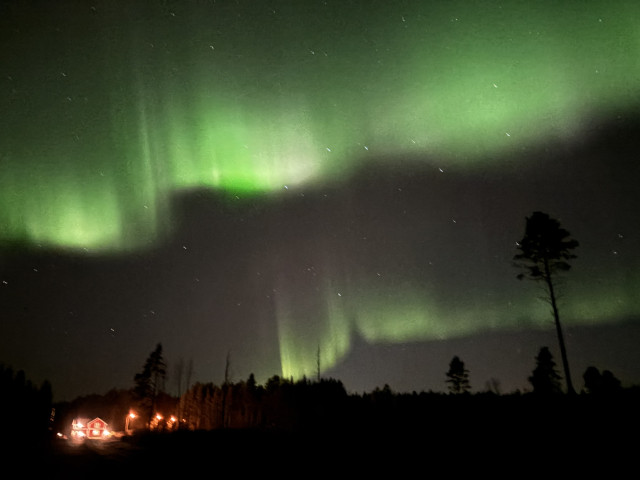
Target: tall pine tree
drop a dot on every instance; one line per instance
(545, 251)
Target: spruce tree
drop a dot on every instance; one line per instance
(150, 381)
(458, 377)
(545, 378)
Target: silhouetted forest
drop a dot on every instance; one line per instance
(298, 418)
(27, 410)
(324, 404)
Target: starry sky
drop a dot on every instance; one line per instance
(277, 181)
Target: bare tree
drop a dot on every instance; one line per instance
(226, 386)
(178, 370)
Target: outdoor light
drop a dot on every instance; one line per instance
(129, 417)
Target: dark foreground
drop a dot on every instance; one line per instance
(496, 437)
(242, 454)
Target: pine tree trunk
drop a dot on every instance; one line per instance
(563, 350)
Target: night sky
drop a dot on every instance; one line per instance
(266, 180)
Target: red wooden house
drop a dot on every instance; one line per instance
(91, 429)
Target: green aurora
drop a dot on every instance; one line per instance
(117, 121)
(114, 108)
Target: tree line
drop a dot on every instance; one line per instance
(545, 378)
(319, 403)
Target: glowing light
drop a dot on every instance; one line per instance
(410, 314)
(166, 122)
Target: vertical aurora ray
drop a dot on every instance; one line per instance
(302, 332)
(225, 148)
(66, 209)
(311, 313)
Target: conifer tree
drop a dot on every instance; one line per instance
(545, 378)
(150, 381)
(458, 377)
(545, 251)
